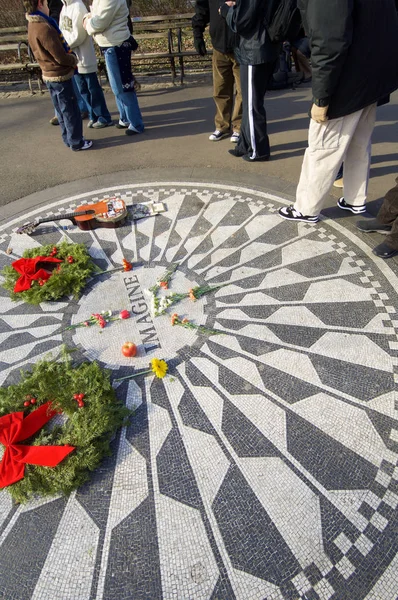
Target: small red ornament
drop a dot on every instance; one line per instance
(81, 396)
(26, 403)
(81, 404)
(54, 250)
(33, 401)
(41, 282)
(76, 396)
(70, 259)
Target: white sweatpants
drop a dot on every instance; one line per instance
(347, 140)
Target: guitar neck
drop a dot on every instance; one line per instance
(65, 216)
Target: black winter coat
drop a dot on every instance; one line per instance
(222, 38)
(247, 19)
(354, 51)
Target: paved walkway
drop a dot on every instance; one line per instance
(265, 467)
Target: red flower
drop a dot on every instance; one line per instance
(127, 266)
(164, 285)
(173, 318)
(192, 295)
(124, 314)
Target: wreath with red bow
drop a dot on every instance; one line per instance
(56, 425)
(48, 273)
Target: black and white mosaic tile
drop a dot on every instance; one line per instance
(265, 467)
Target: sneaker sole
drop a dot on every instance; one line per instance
(382, 231)
(355, 211)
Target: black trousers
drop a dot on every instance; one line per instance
(388, 215)
(253, 133)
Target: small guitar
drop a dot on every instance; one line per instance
(108, 213)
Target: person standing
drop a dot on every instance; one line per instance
(386, 222)
(57, 64)
(71, 25)
(257, 57)
(350, 77)
(107, 23)
(226, 74)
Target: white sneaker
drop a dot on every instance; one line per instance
(235, 137)
(218, 135)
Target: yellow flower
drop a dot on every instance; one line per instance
(159, 367)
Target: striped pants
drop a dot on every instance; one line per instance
(253, 133)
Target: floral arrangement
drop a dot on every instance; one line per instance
(175, 320)
(89, 416)
(101, 319)
(49, 273)
(158, 366)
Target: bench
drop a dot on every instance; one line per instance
(14, 42)
(168, 28)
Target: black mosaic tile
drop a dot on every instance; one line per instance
(383, 426)
(313, 574)
(25, 549)
(294, 334)
(133, 566)
(366, 510)
(244, 437)
(337, 314)
(334, 466)
(289, 388)
(175, 474)
(223, 590)
(360, 382)
(249, 535)
(294, 292)
(137, 432)
(237, 214)
(313, 267)
(192, 414)
(190, 207)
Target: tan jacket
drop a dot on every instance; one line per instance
(56, 64)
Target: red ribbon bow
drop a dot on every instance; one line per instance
(27, 267)
(13, 429)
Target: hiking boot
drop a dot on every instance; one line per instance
(54, 121)
(218, 135)
(357, 210)
(383, 250)
(235, 137)
(373, 225)
(86, 145)
(290, 213)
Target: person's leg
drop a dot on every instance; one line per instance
(327, 146)
(82, 86)
(127, 99)
(69, 109)
(258, 79)
(80, 100)
(97, 99)
(54, 88)
(357, 159)
(243, 146)
(236, 118)
(223, 89)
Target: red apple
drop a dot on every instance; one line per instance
(129, 349)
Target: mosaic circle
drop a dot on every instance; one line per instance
(265, 465)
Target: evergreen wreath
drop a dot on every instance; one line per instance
(90, 416)
(69, 278)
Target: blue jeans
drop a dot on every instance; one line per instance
(81, 102)
(67, 111)
(127, 102)
(93, 95)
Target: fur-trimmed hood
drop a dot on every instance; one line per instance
(35, 18)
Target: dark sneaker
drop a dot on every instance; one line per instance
(218, 135)
(357, 210)
(86, 145)
(264, 158)
(290, 213)
(384, 251)
(373, 225)
(235, 152)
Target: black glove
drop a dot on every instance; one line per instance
(200, 46)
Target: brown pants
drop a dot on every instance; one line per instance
(388, 215)
(225, 75)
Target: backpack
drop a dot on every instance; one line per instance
(282, 20)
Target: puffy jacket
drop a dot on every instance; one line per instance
(108, 22)
(246, 18)
(45, 42)
(222, 38)
(71, 25)
(353, 51)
